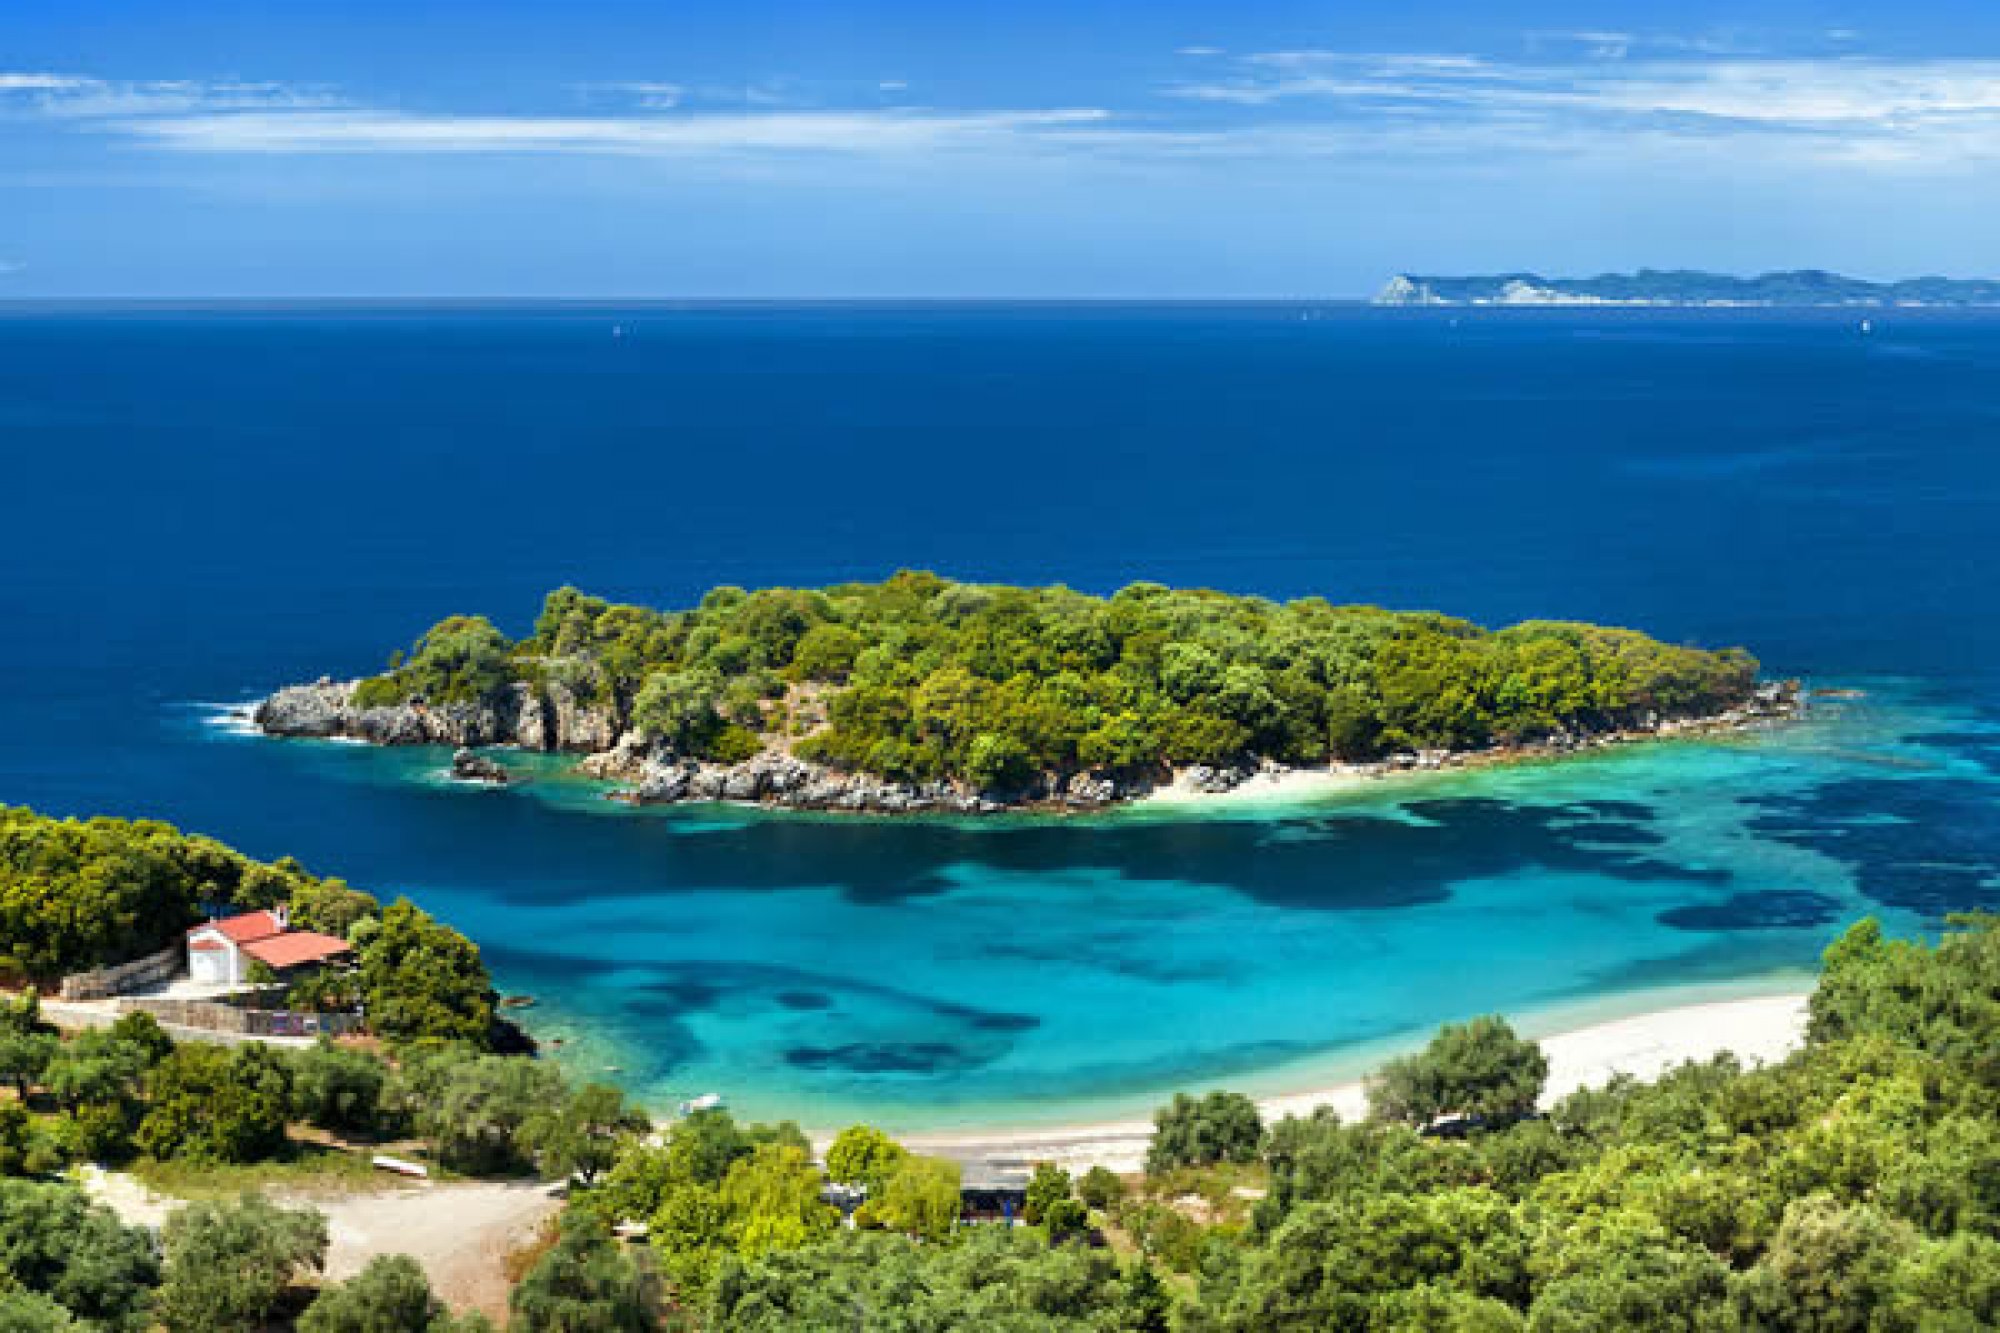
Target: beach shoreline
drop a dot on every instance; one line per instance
(1758, 1029)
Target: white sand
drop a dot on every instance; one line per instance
(1282, 785)
(1759, 1029)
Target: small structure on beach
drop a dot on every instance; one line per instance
(992, 1194)
(221, 952)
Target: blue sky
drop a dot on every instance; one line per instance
(936, 149)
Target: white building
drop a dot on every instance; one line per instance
(220, 952)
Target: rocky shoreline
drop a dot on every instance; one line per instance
(551, 719)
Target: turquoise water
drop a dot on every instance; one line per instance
(210, 504)
(1028, 969)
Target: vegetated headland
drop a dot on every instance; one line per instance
(921, 694)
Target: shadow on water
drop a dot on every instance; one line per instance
(1924, 845)
(1345, 862)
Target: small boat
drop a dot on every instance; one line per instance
(1868, 326)
(402, 1166)
(708, 1101)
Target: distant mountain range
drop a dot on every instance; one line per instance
(1685, 287)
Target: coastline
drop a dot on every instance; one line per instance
(776, 779)
(1758, 1028)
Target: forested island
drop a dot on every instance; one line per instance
(1854, 1185)
(1685, 287)
(921, 693)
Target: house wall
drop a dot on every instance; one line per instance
(227, 958)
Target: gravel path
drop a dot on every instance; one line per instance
(460, 1233)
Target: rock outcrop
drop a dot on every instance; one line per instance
(472, 766)
(551, 717)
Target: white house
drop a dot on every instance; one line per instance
(220, 952)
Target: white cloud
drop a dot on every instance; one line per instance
(40, 83)
(646, 95)
(1199, 51)
(1811, 95)
(75, 97)
(1863, 111)
(780, 132)
(8, 266)
(1598, 45)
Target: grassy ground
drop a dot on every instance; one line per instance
(313, 1169)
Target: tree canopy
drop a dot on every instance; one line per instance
(82, 893)
(920, 677)
(1478, 1069)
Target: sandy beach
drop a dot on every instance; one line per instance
(1758, 1029)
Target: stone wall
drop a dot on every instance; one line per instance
(213, 1016)
(108, 981)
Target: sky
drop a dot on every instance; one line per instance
(951, 148)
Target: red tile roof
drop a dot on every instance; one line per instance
(295, 947)
(246, 927)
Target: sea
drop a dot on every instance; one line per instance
(202, 504)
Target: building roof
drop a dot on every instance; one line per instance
(295, 947)
(245, 927)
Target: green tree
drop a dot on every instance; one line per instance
(479, 1110)
(704, 1145)
(581, 1136)
(1064, 1219)
(24, 1057)
(920, 1198)
(1830, 1268)
(827, 653)
(773, 1200)
(1146, 1306)
(1478, 1069)
(691, 1232)
(212, 1104)
(31, 1312)
(461, 659)
(1100, 1187)
(95, 1068)
(390, 1295)
(230, 1265)
(330, 907)
(337, 1088)
(16, 1139)
(585, 1283)
(1189, 1131)
(863, 1155)
(54, 1243)
(423, 981)
(680, 708)
(1049, 1185)
(142, 1032)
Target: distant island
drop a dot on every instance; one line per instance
(1685, 287)
(920, 693)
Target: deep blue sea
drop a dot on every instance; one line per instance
(202, 505)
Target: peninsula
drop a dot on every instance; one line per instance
(1686, 287)
(923, 694)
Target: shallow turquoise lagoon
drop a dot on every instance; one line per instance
(929, 974)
